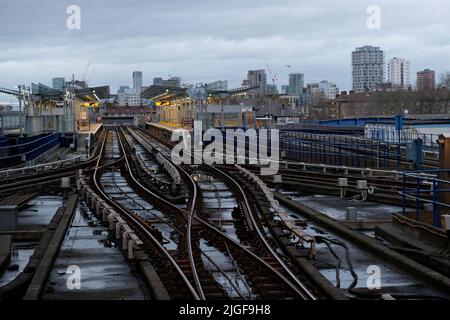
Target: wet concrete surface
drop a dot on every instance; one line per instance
(39, 212)
(105, 273)
(36, 215)
(20, 255)
(336, 207)
(392, 279)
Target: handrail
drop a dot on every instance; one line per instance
(28, 143)
(58, 163)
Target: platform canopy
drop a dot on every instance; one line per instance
(155, 92)
(93, 94)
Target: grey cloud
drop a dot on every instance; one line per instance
(208, 40)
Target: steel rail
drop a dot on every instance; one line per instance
(298, 287)
(261, 236)
(136, 222)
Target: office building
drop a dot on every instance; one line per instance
(58, 83)
(137, 81)
(296, 83)
(174, 82)
(220, 85)
(257, 78)
(157, 81)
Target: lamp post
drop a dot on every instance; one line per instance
(20, 88)
(223, 95)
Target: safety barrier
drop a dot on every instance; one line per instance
(430, 199)
(28, 151)
(40, 167)
(345, 150)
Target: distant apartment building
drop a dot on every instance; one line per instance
(128, 97)
(328, 89)
(174, 82)
(58, 83)
(137, 81)
(296, 83)
(271, 89)
(123, 89)
(399, 73)
(285, 89)
(220, 85)
(134, 99)
(257, 78)
(367, 68)
(157, 81)
(307, 97)
(426, 80)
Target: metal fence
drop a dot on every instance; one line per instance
(340, 150)
(432, 199)
(17, 154)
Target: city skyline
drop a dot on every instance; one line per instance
(266, 36)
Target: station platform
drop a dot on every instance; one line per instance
(93, 129)
(166, 126)
(105, 274)
(91, 134)
(163, 131)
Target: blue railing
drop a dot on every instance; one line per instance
(404, 136)
(435, 195)
(343, 150)
(15, 155)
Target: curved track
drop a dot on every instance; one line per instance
(137, 224)
(279, 270)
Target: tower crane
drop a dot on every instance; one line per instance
(274, 77)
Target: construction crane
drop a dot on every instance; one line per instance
(274, 77)
(85, 73)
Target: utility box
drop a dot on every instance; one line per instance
(65, 183)
(8, 218)
(361, 185)
(414, 151)
(342, 182)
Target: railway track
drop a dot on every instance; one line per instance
(18, 182)
(264, 218)
(383, 189)
(170, 270)
(282, 283)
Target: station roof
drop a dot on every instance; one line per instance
(165, 92)
(162, 92)
(88, 94)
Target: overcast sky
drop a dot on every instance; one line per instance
(202, 41)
